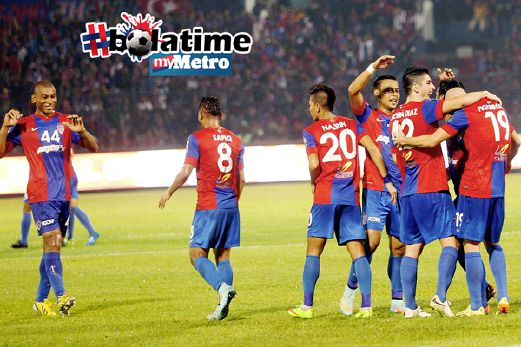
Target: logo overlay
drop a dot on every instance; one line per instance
(191, 52)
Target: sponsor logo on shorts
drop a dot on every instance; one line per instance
(373, 219)
(43, 223)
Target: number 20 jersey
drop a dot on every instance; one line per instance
(217, 155)
(335, 141)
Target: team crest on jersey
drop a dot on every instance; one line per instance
(60, 128)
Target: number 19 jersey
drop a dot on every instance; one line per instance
(335, 141)
(217, 155)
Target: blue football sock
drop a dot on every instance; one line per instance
(498, 265)
(53, 267)
(484, 287)
(225, 271)
(26, 225)
(85, 221)
(208, 271)
(352, 281)
(44, 286)
(409, 273)
(70, 230)
(474, 274)
(393, 271)
(310, 277)
(446, 268)
(365, 277)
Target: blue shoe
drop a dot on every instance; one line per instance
(92, 239)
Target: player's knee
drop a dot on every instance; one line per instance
(27, 208)
(397, 249)
(52, 241)
(374, 237)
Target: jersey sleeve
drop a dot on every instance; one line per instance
(458, 122)
(309, 141)
(14, 138)
(363, 112)
(432, 110)
(241, 158)
(192, 151)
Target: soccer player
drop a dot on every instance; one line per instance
(217, 154)
(83, 217)
(377, 209)
(426, 209)
(46, 137)
(332, 148)
(25, 225)
(492, 143)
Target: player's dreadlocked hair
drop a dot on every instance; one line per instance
(412, 75)
(446, 85)
(211, 105)
(324, 95)
(381, 78)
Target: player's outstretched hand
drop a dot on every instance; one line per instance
(164, 198)
(75, 123)
(11, 118)
(446, 74)
(383, 62)
(493, 97)
(393, 191)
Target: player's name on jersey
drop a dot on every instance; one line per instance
(405, 114)
(222, 137)
(495, 106)
(334, 126)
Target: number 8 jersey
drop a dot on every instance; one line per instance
(217, 155)
(335, 141)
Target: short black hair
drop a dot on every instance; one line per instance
(43, 84)
(381, 78)
(412, 75)
(446, 85)
(324, 95)
(211, 105)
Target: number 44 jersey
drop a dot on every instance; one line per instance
(217, 155)
(335, 141)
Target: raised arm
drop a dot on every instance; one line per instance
(76, 124)
(422, 141)
(179, 180)
(453, 104)
(10, 120)
(356, 99)
(378, 160)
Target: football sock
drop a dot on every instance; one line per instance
(84, 219)
(26, 225)
(446, 268)
(225, 271)
(44, 286)
(498, 265)
(310, 277)
(393, 271)
(484, 286)
(208, 271)
(409, 274)
(70, 231)
(474, 274)
(352, 281)
(364, 275)
(53, 267)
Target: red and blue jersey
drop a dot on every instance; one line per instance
(457, 155)
(376, 124)
(424, 167)
(47, 145)
(486, 133)
(217, 155)
(335, 141)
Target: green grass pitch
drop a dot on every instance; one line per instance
(137, 287)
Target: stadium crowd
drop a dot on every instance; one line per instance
(266, 96)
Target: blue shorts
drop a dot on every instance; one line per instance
(426, 217)
(378, 212)
(480, 219)
(219, 228)
(74, 188)
(345, 221)
(51, 215)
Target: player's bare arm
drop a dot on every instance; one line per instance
(10, 120)
(314, 169)
(378, 160)
(422, 141)
(240, 183)
(179, 180)
(76, 124)
(453, 104)
(356, 98)
(514, 148)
